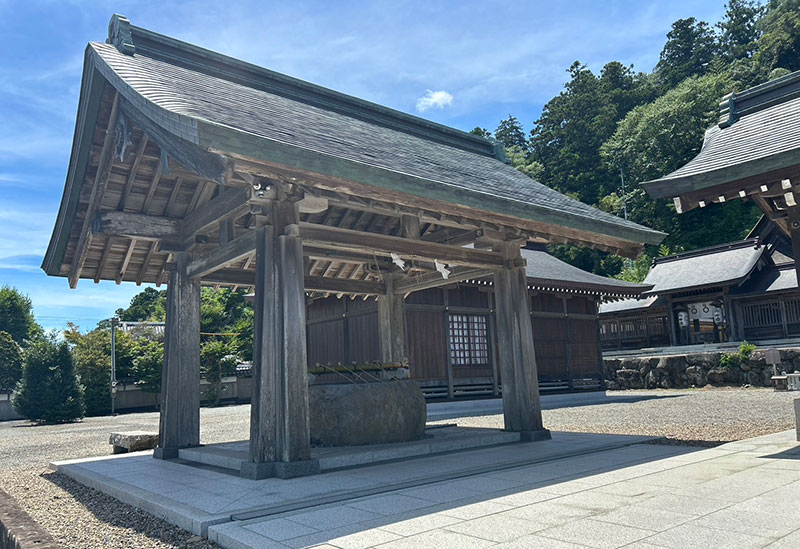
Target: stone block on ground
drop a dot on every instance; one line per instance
(133, 441)
(366, 413)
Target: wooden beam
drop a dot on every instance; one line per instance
(135, 225)
(233, 251)
(125, 261)
(230, 202)
(414, 283)
(103, 260)
(173, 196)
(137, 159)
(146, 263)
(343, 286)
(310, 283)
(207, 164)
(349, 194)
(451, 236)
(96, 198)
(405, 248)
(151, 191)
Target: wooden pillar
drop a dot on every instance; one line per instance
(392, 324)
(567, 345)
(793, 214)
(673, 324)
(448, 347)
(391, 307)
(280, 439)
(492, 338)
(179, 424)
(522, 407)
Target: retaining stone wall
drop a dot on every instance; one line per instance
(693, 370)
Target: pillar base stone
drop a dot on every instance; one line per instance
(279, 469)
(534, 436)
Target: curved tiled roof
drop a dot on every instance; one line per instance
(205, 97)
(550, 273)
(761, 133)
(634, 304)
(719, 265)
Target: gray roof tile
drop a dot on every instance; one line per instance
(765, 137)
(190, 96)
(720, 265)
(543, 269)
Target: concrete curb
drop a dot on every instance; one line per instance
(18, 530)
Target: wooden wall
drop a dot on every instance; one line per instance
(565, 333)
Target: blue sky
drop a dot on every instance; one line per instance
(463, 64)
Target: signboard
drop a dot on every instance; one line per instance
(772, 356)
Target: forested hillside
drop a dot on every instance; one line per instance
(623, 125)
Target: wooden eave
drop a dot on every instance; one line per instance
(709, 184)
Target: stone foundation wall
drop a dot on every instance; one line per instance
(693, 370)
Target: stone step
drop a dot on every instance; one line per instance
(436, 441)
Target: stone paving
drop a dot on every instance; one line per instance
(195, 498)
(741, 494)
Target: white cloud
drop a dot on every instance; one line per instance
(439, 99)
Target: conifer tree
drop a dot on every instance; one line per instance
(49, 390)
(10, 361)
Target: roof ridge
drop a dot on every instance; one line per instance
(754, 242)
(759, 97)
(130, 39)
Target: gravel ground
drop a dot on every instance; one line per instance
(702, 417)
(77, 516)
(80, 517)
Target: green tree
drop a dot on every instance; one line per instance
(689, 49)
(16, 315)
(10, 361)
(49, 390)
(92, 357)
(738, 30)
(521, 160)
(657, 138)
(567, 136)
(779, 44)
(511, 134)
(217, 360)
(147, 305)
(148, 364)
(482, 132)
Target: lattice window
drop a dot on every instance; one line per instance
(469, 340)
(761, 314)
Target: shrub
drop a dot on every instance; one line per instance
(734, 360)
(49, 390)
(10, 361)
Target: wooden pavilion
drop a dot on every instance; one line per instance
(752, 153)
(194, 168)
